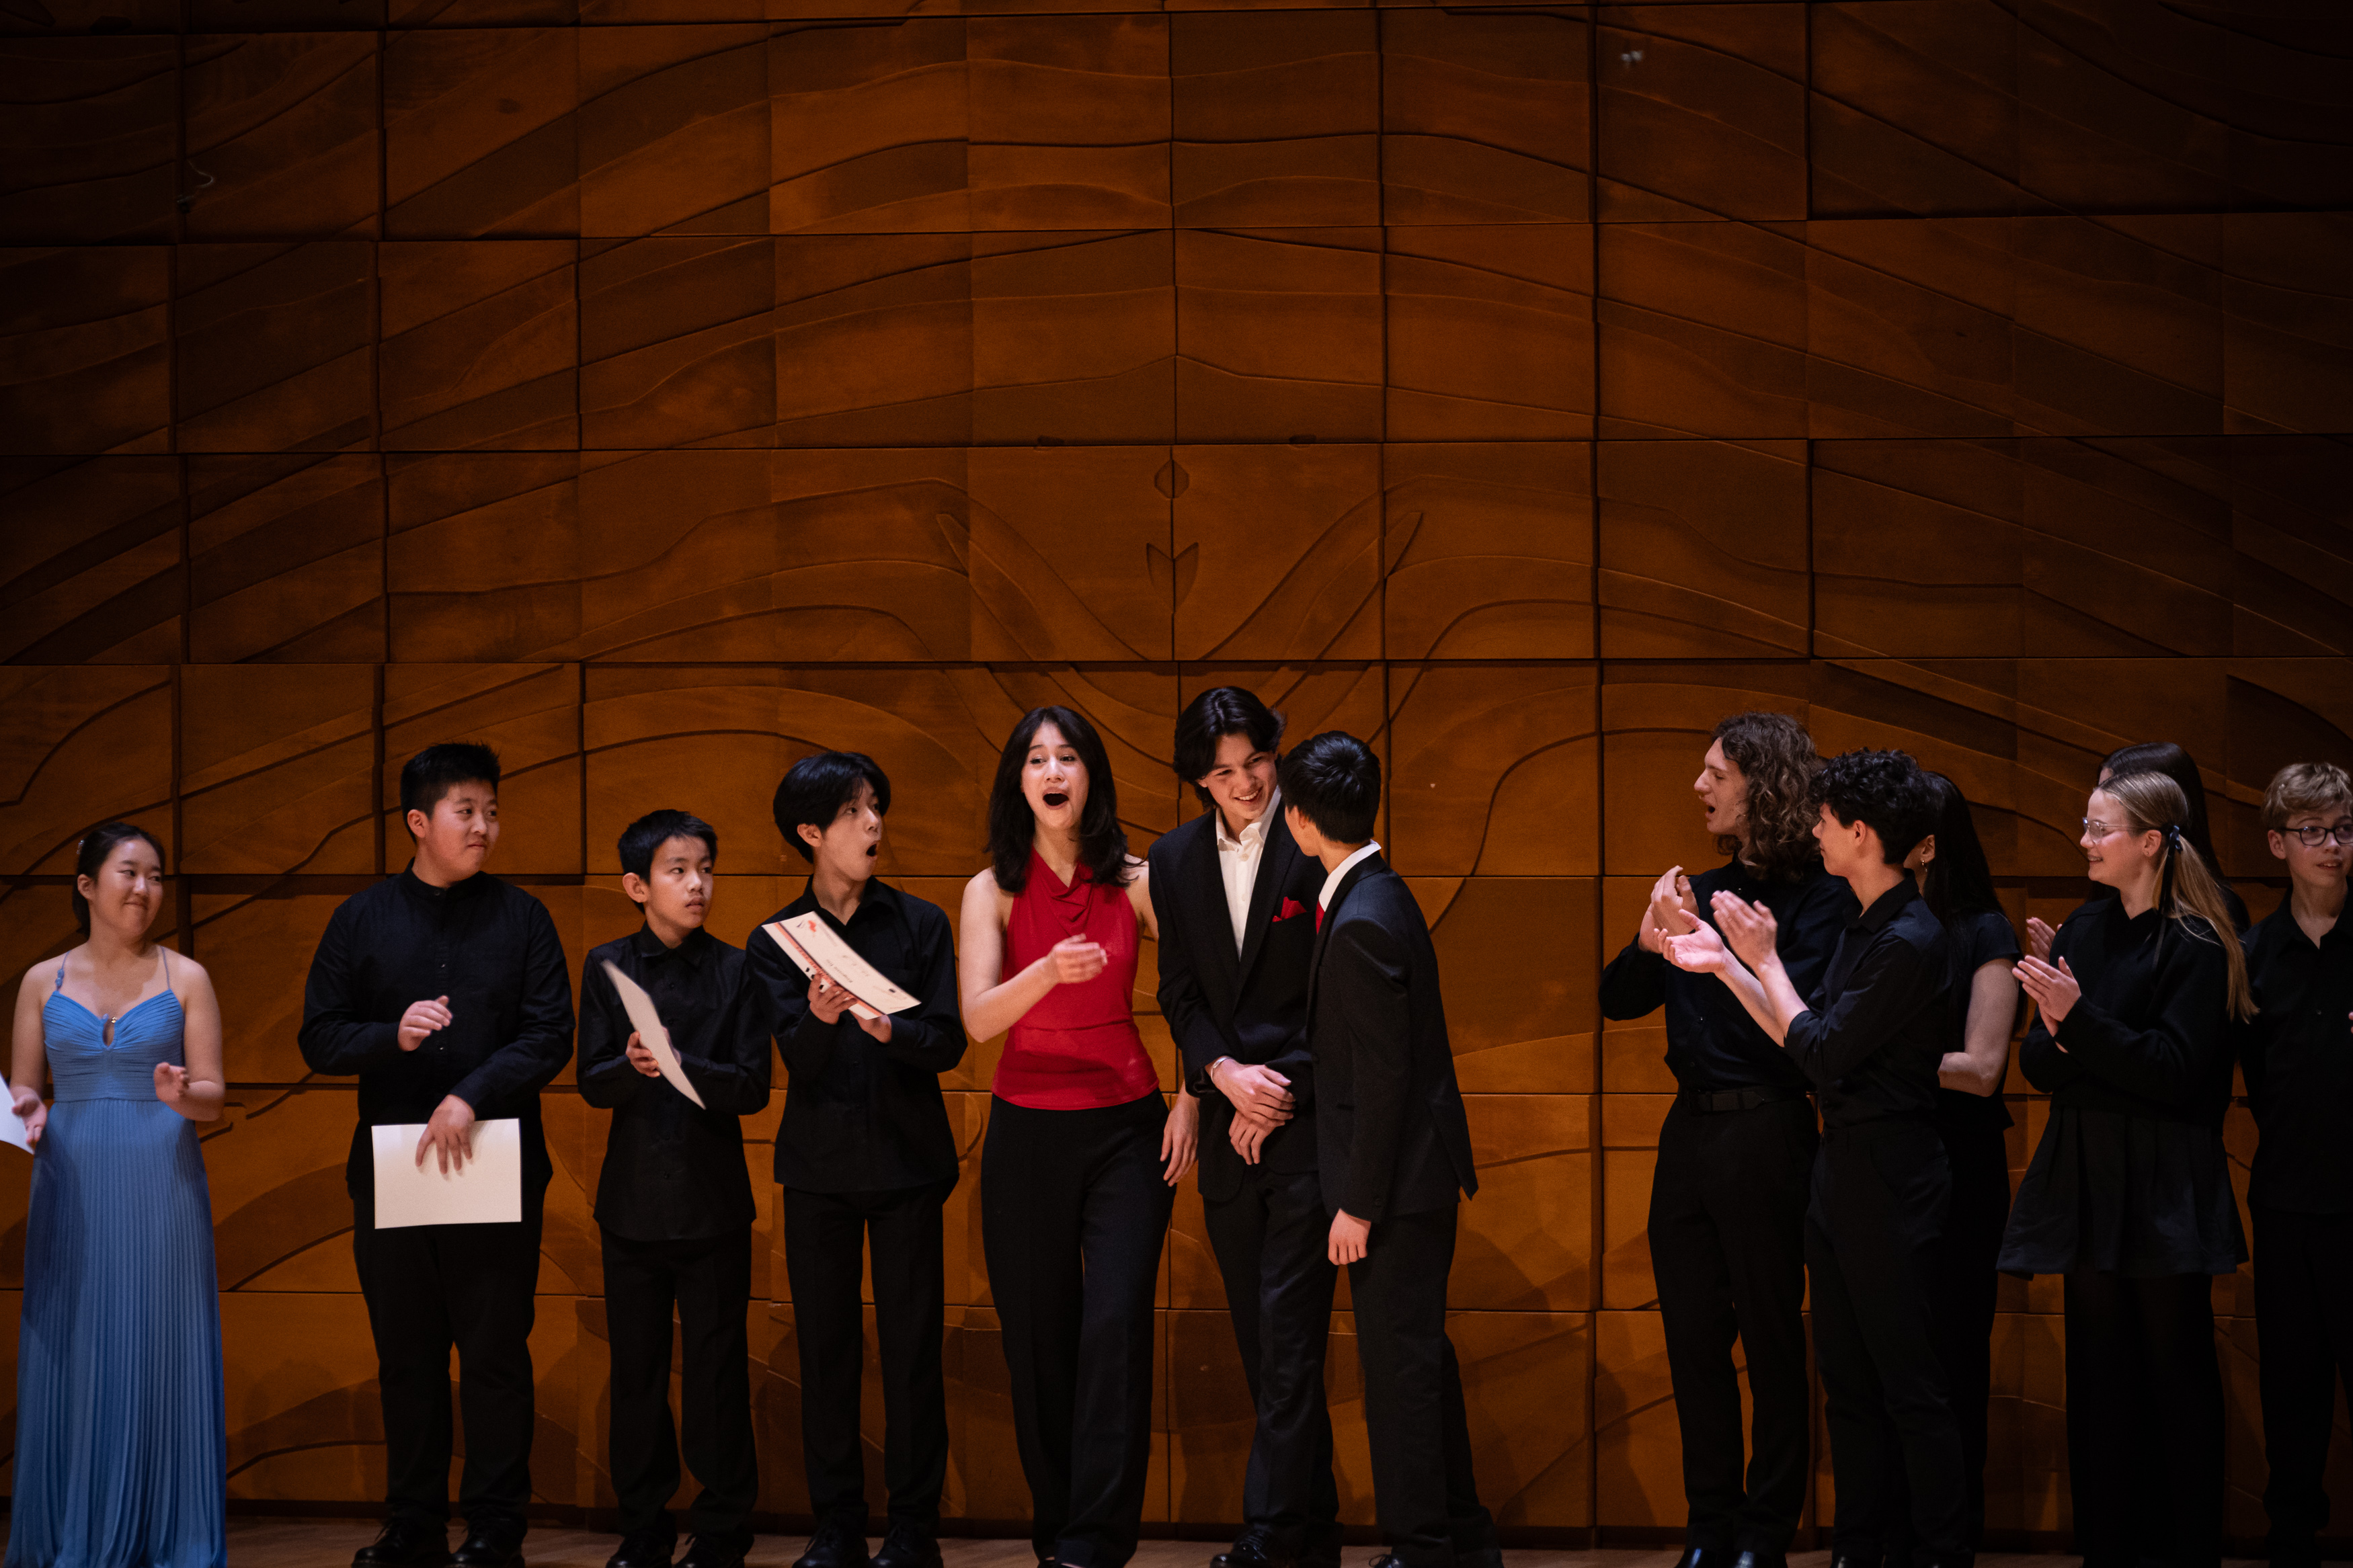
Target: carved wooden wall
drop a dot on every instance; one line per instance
(661, 389)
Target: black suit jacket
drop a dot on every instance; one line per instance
(1251, 1006)
(1390, 1132)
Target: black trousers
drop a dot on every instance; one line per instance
(1273, 1243)
(1881, 1194)
(2143, 1418)
(1965, 1287)
(1424, 1497)
(1727, 1232)
(430, 1288)
(708, 1282)
(825, 1240)
(1072, 1213)
(2304, 1331)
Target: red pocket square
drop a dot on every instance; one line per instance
(1290, 907)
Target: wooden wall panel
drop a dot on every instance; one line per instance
(662, 390)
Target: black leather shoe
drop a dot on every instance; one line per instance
(405, 1543)
(490, 1549)
(908, 1546)
(1252, 1549)
(1754, 1559)
(838, 1543)
(711, 1552)
(643, 1549)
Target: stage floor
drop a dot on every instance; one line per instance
(327, 1544)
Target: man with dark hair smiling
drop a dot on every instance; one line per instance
(1394, 1150)
(443, 990)
(1234, 897)
(865, 1156)
(674, 1202)
(1871, 1040)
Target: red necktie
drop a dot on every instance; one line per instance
(1319, 919)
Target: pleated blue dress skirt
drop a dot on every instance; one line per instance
(122, 1444)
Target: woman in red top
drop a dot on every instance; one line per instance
(1078, 1172)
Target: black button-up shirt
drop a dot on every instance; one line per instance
(673, 1172)
(2298, 1056)
(1878, 1027)
(861, 1116)
(487, 946)
(1712, 1042)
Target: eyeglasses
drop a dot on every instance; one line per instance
(2313, 835)
(2099, 830)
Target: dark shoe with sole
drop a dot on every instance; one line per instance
(405, 1543)
(1253, 1549)
(1756, 1559)
(709, 1551)
(838, 1543)
(490, 1549)
(908, 1546)
(644, 1549)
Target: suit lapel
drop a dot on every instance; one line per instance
(1205, 887)
(1357, 874)
(1274, 863)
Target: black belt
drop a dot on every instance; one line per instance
(1708, 1101)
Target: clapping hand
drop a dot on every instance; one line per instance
(421, 1020)
(31, 1112)
(1073, 961)
(2038, 938)
(2055, 991)
(1749, 930)
(1697, 948)
(172, 1085)
(1669, 897)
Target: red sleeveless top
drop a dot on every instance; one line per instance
(1077, 1049)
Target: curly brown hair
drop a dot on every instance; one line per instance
(1776, 758)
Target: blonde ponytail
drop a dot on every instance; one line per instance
(2186, 884)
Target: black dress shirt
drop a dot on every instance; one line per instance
(673, 1172)
(487, 946)
(2298, 1055)
(2150, 1036)
(1712, 1042)
(861, 1116)
(1975, 940)
(1878, 1027)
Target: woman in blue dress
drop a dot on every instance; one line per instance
(121, 1446)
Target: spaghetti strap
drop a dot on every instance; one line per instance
(61, 973)
(167, 965)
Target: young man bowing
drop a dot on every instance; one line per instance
(443, 990)
(1870, 1039)
(1234, 895)
(1394, 1152)
(866, 1157)
(674, 1202)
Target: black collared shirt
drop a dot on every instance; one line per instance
(2298, 1056)
(1712, 1042)
(861, 1116)
(1878, 1027)
(2150, 1035)
(487, 946)
(673, 1172)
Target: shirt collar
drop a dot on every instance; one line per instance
(1332, 883)
(1888, 905)
(1254, 836)
(471, 886)
(879, 895)
(694, 947)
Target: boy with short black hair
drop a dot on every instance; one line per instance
(443, 990)
(2297, 1053)
(674, 1202)
(1871, 1040)
(1394, 1152)
(864, 1153)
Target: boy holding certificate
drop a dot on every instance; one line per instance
(865, 1156)
(674, 1202)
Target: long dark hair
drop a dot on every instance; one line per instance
(1012, 826)
(2174, 762)
(1777, 758)
(91, 857)
(1958, 882)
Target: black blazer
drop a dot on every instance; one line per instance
(1390, 1132)
(1251, 1007)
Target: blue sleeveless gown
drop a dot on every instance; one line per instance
(121, 1443)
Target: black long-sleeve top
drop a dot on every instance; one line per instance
(1878, 1027)
(2150, 1036)
(861, 1115)
(673, 1172)
(1712, 1042)
(2298, 1055)
(487, 946)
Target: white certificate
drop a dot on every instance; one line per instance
(650, 1030)
(809, 943)
(12, 1127)
(486, 1190)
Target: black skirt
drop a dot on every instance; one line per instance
(2123, 1195)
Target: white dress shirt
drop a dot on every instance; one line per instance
(1238, 863)
(1332, 882)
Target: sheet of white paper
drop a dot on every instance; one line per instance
(486, 1190)
(651, 1029)
(12, 1127)
(810, 942)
